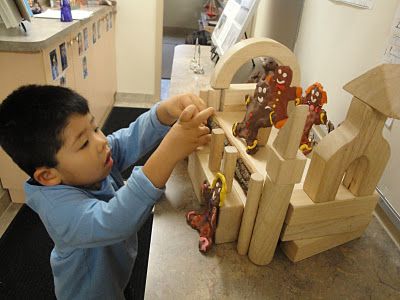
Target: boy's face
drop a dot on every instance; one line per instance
(85, 157)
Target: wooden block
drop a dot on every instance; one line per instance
(379, 88)
(255, 163)
(247, 49)
(229, 165)
(303, 210)
(198, 173)
(230, 215)
(301, 249)
(263, 135)
(236, 94)
(214, 99)
(324, 228)
(363, 175)
(337, 151)
(216, 149)
(288, 139)
(270, 216)
(250, 212)
(283, 171)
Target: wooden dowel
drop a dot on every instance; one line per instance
(216, 149)
(250, 212)
(230, 157)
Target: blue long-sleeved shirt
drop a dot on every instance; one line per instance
(94, 231)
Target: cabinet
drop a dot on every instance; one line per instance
(90, 70)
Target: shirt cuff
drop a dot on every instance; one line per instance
(138, 180)
(155, 121)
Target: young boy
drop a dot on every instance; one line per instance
(76, 186)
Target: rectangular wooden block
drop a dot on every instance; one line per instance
(282, 171)
(230, 215)
(324, 228)
(235, 95)
(301, 249)
(303, 210)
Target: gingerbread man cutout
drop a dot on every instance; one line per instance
(281, 94)
(315, 98)
(268, 107)
(255, 118)
(206, 222)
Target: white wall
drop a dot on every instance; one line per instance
(136, 46)
(182, 13)
(278, 20)
(338, 42)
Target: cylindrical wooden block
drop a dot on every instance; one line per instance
(271, 213)
(250, 212)
(216, 149)
(263, 135)
(230, 157)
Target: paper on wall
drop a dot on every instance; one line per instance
(360, 3)
(392, 51)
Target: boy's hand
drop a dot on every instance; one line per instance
(170, 110)
(189, 132)
(182, 139)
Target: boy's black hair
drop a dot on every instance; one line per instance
(32, 119)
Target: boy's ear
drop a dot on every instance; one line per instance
(47, 176)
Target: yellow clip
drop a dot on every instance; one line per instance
(321, 116)
(253, 146)
(248, 100)
(222, 194)
(305, 147)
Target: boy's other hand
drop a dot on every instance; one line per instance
(182, 139)
(171, 109)
(189, 132)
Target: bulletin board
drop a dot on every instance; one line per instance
(232, 23)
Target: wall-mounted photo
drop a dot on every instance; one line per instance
(63, 54)
(80, 44)
(98, 29)
(94, 33)
(107, 23)
(84, 67)
(85, 38)
(63, 80)
(54, 64)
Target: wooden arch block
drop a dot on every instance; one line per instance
(247, 49)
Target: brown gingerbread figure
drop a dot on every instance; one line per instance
(269, 66)
(257, 116)
(315, 98)
(268, 107)
(206, 222)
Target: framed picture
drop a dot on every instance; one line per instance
(63, 54)
(232, 23)
(85, 38)
(80, 43)
(94, 33)
(54, 64)
(98, 29)
(63, 80)
(85, 67)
